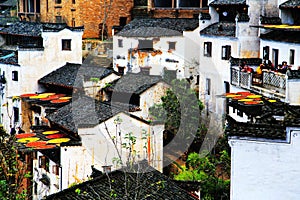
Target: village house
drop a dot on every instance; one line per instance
(32, 50)
(262, 112)
(87, 131)
(155, 45)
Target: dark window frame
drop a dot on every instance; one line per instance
(266, 53)
(66, 44)
(207, 49)
(15, 76)
(120, 43)
(172, 46)
(292, 57)
(226, 52)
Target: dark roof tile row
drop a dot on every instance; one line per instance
(227, 2)
(164, 27)
(226, 29)
(290, 4)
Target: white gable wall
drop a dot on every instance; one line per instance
(261, 169)
(37, 63)
(97, 140)
(157, 62)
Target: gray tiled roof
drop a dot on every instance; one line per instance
(134, 83)
(83, 111)
(290, 4)
(164, 27)
(227, 2)
(282, 36)
(228, 29)
(147, 183)
(34, 28)
(265, 126)
(71, 75)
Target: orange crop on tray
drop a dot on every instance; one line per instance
(47, 146)
(36, 144)
(25, 135)
(57, 135)
(60, 101)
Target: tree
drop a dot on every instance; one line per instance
(12, 173)
(180, 110)
(212, 173)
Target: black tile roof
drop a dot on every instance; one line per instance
(134, 83)
(282, 36)
(265, 125)
(158, 27)
(146, 183)
(290, 4)
(70, 75)
(226, 29)
(270, 20)
(83, 111)
(35, 29)
(227, 2)
(87, 112)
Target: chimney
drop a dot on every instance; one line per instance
(106, 169)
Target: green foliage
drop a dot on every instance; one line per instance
(180, 107)
(211, 172)
(94, 79)
(11, 172)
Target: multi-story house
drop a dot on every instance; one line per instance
(263, 132)
(158, 44)
(36, 49)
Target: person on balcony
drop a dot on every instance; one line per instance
(284, 67)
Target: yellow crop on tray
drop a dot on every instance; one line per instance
(58, 140)
(25, 140)
(50, 132)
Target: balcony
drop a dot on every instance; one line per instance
(270, 84)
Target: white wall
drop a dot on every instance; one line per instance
(157, 62)
(283, 51)
(37, 63)
(97, 140)
(265, 170)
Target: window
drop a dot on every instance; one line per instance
(58, 19)
(44, 162)
(266, 51)
(66, 45)
(55, 169)
(172, 45)
(120, 43)
(73, 2)
(145, 45)
(121, 70)
(58, 1)
(207, 49)
(226, 52)
(208, 85)
(123, 21)
(275, 57)
(73, 22)
(16, 114)
(292, 57)
(15, 76)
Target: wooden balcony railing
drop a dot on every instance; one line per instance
(268, 80)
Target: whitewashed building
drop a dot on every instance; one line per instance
(157, 44)
(36, 50)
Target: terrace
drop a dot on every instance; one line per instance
(270, 84)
